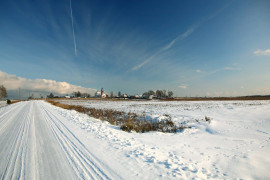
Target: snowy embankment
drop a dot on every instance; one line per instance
(236, 144)
(39, 140)
(3, 103)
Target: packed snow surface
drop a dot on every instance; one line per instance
(3, 103)
(41, 141)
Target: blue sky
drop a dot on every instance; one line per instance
(194, 48)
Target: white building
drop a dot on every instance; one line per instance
(98, 94)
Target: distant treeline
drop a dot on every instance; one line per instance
(159, 93)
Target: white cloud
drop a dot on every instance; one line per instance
(13, 82)
(261, 91)
(260, 52)
(183, 86)
(198, 71)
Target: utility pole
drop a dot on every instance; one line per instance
(19, 93)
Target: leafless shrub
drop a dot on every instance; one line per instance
(127, 121)
(207, 119)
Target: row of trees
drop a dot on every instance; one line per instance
(159, 93)
(119, 94)
(75, 94)
(3, 92)
(79, 94)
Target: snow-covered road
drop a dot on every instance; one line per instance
(35, 144)
(42, 141)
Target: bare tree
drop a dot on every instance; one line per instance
(161, 93)
(149, 93)
(77, 94)
(31, 97)
(50, 96)
(170, 94)
(164, 93)
(119, 94)
(85, 95)
(111, 95)
(3, 92)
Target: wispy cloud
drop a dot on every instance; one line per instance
(13, 82)
(260, 52)
(198, 71)
(262, 90)
(183, 86)
(232, 68)
(74, 38)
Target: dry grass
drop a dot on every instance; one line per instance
(15, 101)
(207, 119)
(127, 121)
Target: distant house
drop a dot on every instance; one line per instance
(67, 96)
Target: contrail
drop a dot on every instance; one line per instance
(74, 39)
(182, 36)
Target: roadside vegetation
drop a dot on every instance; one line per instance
(3, 92)
(127, 121)
(8, 101)
(13, 101)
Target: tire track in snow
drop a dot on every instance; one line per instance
(34, 155)
(4, 111)
(35, 143)
(79, 157)
(5, 118)
(15, 162)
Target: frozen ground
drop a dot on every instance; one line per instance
(40, 141)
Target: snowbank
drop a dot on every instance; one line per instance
(236, 144)
(3, 103)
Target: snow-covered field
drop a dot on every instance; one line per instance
(180, 111)
(42, 141)
(236, 144)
